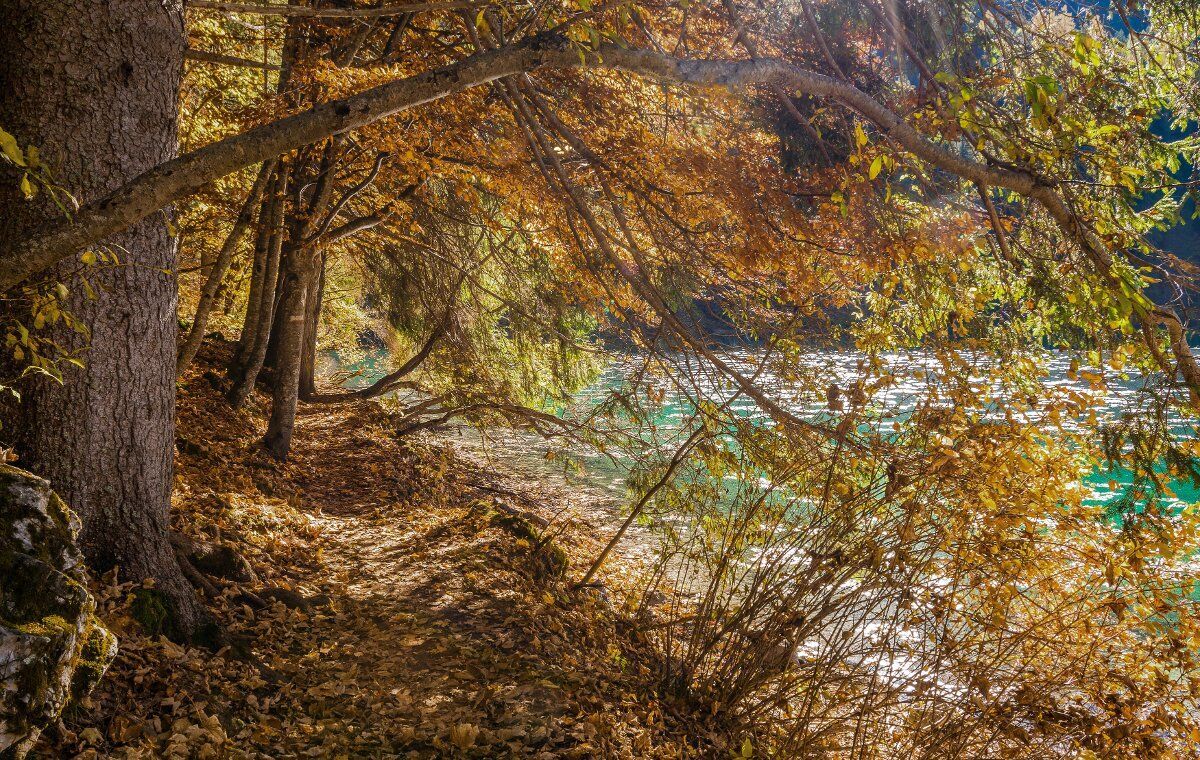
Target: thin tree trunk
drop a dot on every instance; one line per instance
(95, 86)
(208, 295)
(299, 271)
(275, 327)
(246, 374)
(312, 324)
(262, 248)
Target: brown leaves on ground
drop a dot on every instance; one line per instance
(424, 622)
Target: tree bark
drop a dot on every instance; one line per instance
(312, 323)
(299, 271)
(245, 374)
(258, 271)
(95, 86)
(208, 295)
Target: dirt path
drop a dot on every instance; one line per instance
(424, 620)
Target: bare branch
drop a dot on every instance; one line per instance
(205, 56)
(355, 226)
(348, 195)
(389, 383)
(304, 11)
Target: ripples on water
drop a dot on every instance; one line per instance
(843, 367)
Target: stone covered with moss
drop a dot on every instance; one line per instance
(52, 647)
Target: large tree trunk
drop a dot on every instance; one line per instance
(95, 86)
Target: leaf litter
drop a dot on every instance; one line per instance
(398, 610)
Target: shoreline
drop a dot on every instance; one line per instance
(505, 463)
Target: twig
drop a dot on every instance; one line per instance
(204, 56)
(304, 11)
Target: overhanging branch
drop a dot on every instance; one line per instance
(204, 56)
(304, 11)
(182, 176)
(175, 179)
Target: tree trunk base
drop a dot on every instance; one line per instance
(277, 445)
(168, 604)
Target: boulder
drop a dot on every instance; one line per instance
(52, 647)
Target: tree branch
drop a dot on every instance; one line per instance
(304, 11)
(348, 195)
(355, 226)
(388, 383)
(205, 56)
(175, 179)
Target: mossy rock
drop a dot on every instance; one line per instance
(552, 561)
(98, 650)
(34, 521)
(52, 647)
(515, 524)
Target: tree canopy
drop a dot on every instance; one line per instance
(837, 250)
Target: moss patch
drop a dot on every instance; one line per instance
(99, 648)
(153, 611)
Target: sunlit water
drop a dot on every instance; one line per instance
(585, 467)
(608, 472)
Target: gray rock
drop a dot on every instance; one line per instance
(52, 646)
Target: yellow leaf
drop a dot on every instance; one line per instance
(10, 149)
(876, 167)
(464, 735)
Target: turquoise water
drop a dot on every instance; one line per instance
(661, 424)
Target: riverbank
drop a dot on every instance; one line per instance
(389, 598)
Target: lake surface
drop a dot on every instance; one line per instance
(585, 466)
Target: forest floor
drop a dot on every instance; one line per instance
(404, 602)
